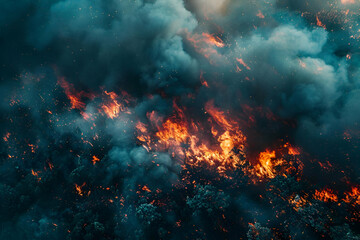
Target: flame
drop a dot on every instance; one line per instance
(219, 143)
(241, 61)
(326, 195)
(183, 138)
(173, 131)
(292, 150)
(298, 202)
(113, 107)
(319, 23)
(145, 188)
(260, 14)
(353, 196)
(213, 40)
(143, 135)
(51, 166)
(36, 174)
(205, 43)
(7, 136)
(272, 162)
(203, 81)
(80, 191)
(32, 147)
(95, 160)
(74, 96)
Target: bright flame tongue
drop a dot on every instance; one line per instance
(74, 96)
(220, 143)
(113, 107)
(185, 142)
(266, 165)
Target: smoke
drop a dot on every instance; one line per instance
(288, 71)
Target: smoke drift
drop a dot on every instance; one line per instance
(171, 119)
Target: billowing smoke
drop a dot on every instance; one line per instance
(180, 119)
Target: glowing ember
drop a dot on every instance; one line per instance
(292, 150)
(325, 195)
(319, 23)
(145, 188)
(353, 196)
(260, 14)
(36, 174)
(6, 137)
(298, 202)
(95, 160)
(80, 191)
(241, 61)
(273, 162)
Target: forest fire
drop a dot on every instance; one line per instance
(266, 165)
(219, 143)
(180, 119)
(184, 140)
(281, 161)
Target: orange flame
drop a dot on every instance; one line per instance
(95, 160)
(177, 132)
(145, 188)
(319, 23)
(113, 108)
(260, 14)
(326, 195)
(213, 40)
(36, 174)
(219, 143)
(80, 191)
(203, 81)
(74, 96)
(298, 202)
(270, 164)
(347, 1)
(353, 196)
(266, 164)
(6, 137)
(143, 135)
(205, 43)
(241, 61)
